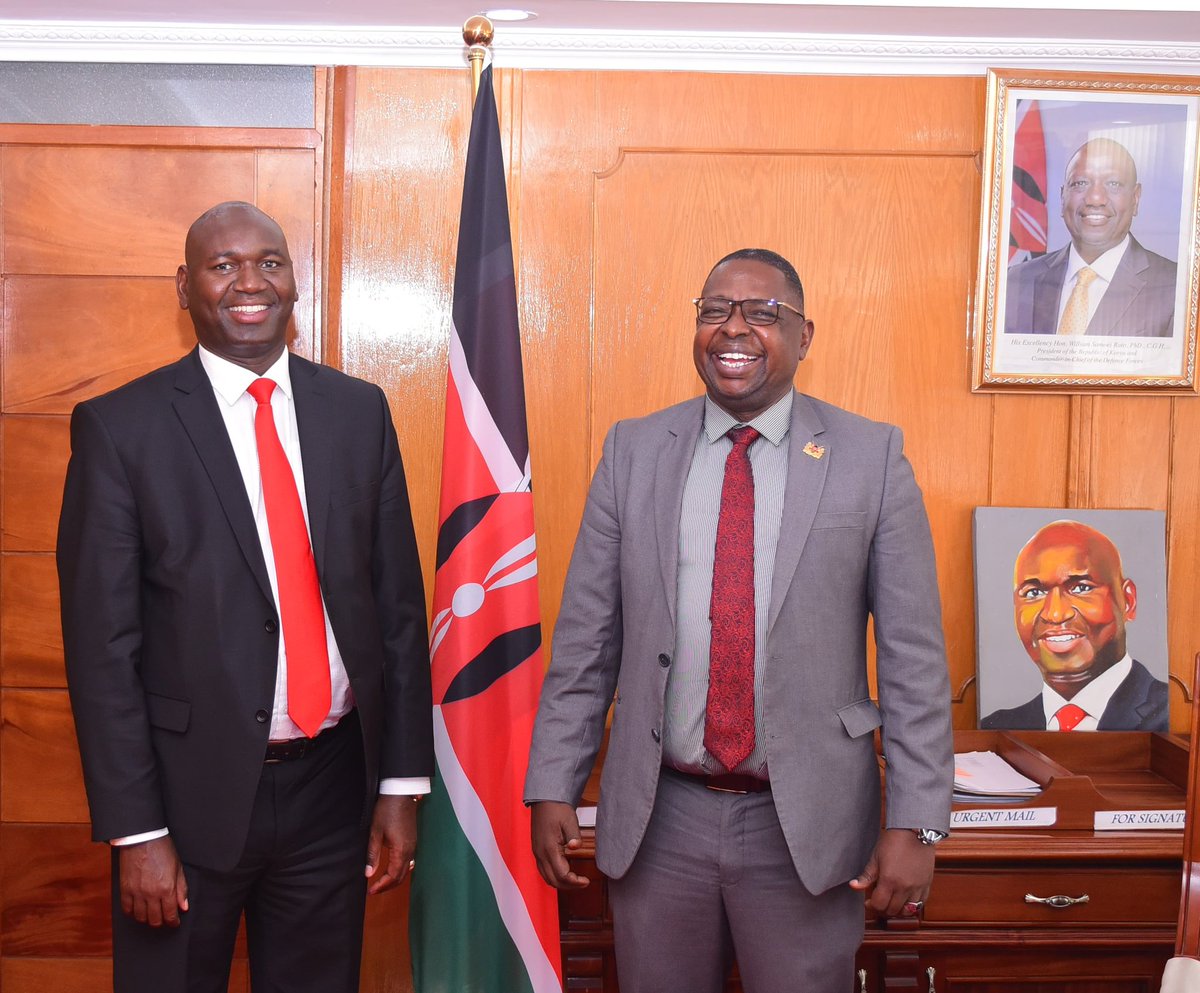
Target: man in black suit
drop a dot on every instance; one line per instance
(1072, 601)
(206, 769)
(1104, 282)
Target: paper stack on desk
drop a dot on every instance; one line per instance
(986, 776)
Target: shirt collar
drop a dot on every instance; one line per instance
(773, 423)
(230, 380)
(1105, 267)
(1094, 697)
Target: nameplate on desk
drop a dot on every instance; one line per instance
(1002, 817)
(1139, 820)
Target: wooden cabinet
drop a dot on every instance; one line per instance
(1062, 908)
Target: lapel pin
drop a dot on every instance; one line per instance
(814, 451)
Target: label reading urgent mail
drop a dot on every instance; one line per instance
(1139, 820)
(1001, 817)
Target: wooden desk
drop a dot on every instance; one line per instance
(978, 933)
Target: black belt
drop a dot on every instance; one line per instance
(730, 782)
(297, 748)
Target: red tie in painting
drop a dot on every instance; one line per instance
(729, 716)
(1070, 716)
(300, 604)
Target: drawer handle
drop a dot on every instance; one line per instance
(931, 974)
(1059, 901)
(862, 981)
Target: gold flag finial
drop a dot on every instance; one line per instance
(478, 33)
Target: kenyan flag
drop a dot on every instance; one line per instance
(482, 920)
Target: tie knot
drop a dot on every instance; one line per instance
(1070, 716)
(261, 390)
(745, 436)
(1087, 275)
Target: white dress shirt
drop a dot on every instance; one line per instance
(1092, 699)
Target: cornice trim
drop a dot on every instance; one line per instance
(533, 48)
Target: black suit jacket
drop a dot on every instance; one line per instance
(170, 630)
(1139, 302)
(1139, 704)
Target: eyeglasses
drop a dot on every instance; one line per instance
(717, 310)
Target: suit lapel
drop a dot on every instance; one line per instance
(805, 481)
(1047, 289)
(196, 407)
(672, 466)
(314, 421)
(1127, 282)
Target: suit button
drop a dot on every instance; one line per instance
(261, 716)
(655, 735)
(664, 660)
(271, 627)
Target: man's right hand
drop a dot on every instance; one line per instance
(153, 889)
(555, 831)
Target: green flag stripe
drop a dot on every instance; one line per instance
(452, 896)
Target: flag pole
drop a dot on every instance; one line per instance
(477, 32)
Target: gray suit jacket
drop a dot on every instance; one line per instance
(855, 541)
(1140, 301)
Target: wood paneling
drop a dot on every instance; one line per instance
(40, 777)
(287, 190)
(30, 633)
(109, 211)
(70, 338)
(33, 464)
(55, 883)
(78, 975)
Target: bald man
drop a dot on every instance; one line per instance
(1071, 602)
(1104, 282)
(227, 786)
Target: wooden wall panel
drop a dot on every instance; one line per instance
(40, 777)
(70, 338)
(33, 464)
(79, 975)
(106, 210)
(30, 632)
(55, 884)
(288, 191)
(1031, 434)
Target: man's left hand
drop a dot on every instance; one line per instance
(899, 871)
(393, 826)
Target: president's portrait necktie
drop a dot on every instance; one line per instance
(1075, 314)
(729, 713)
(300, 605)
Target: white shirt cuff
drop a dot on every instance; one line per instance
(411, 786)
(137, 839)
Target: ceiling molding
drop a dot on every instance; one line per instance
(533, 48)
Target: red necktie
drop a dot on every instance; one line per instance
(1070, 716)
(300, 604)
(729, 715)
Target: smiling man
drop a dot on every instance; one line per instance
(731, 550)
(1104, 282)
(244, 628)
(1071, 602)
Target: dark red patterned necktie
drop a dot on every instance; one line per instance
(1070, 716)
(300, 606)
(729, 716)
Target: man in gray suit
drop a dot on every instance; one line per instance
(731, 550)
(1104, 282)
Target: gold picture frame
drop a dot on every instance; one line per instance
(1084, 169)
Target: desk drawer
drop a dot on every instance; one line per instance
(1115, 895)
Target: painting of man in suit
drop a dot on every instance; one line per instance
(1103, 281)
(245, 639)
(731, 550)
(1072, 604)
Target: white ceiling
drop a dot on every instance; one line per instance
(769, 35)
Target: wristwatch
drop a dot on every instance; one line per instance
(930, 836)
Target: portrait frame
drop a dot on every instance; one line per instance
(1025, 243)
(1005, 674)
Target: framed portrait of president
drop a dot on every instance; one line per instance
(1088, 236)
